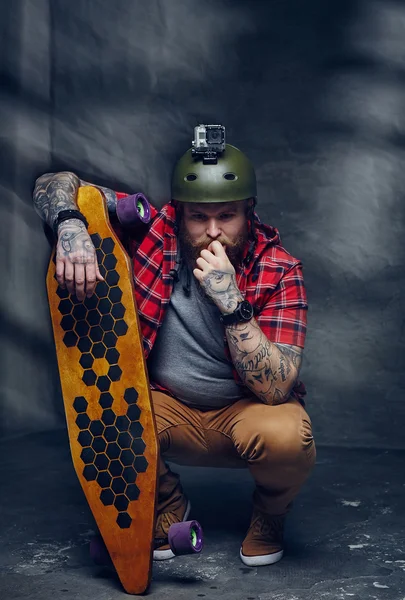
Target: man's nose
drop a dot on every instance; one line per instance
(213, 229)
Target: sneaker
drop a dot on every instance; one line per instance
(162, 549)
(263, 544)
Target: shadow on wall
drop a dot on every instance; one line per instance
(311, 93)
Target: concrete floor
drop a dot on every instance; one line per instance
(344, 537)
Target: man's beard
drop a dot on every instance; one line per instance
(191, 251)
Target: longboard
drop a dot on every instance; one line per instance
(107, 400)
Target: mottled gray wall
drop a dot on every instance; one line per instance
(313, 91)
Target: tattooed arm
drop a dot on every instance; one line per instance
(76, 260)
(54, 192)
(294, 353)
(269, 370)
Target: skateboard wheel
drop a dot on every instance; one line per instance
(186, 538)
(133, 210)
(98, 552)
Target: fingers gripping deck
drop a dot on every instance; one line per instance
(107, 400)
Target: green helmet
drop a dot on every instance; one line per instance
(232, 178)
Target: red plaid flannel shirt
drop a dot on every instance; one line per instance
(272, 282)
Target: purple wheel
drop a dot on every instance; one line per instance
(98, 552)
(133, 210)
(186, 538)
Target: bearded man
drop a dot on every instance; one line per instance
(222, 309)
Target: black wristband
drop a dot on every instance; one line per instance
(63, 215)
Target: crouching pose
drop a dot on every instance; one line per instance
(222, 309)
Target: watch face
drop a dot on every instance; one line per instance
(246, 310)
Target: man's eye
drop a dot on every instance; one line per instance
(224, 216)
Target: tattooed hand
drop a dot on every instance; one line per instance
(76, 259)
(216, 275)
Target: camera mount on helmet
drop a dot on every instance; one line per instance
(209, 141)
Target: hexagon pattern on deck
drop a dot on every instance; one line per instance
(113, 451)
(112, 446)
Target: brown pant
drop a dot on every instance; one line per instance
(274, 442)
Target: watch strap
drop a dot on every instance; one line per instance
(234, 317)
(229, 319)
(64, 215)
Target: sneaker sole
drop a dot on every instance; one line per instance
(259, 561)
(166, 554)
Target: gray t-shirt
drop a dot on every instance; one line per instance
(188, 356)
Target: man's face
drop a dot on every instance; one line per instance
(203, 223)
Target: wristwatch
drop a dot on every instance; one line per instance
(242, 313)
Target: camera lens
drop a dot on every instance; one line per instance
(213, 135)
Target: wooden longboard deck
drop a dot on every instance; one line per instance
(107, 400)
